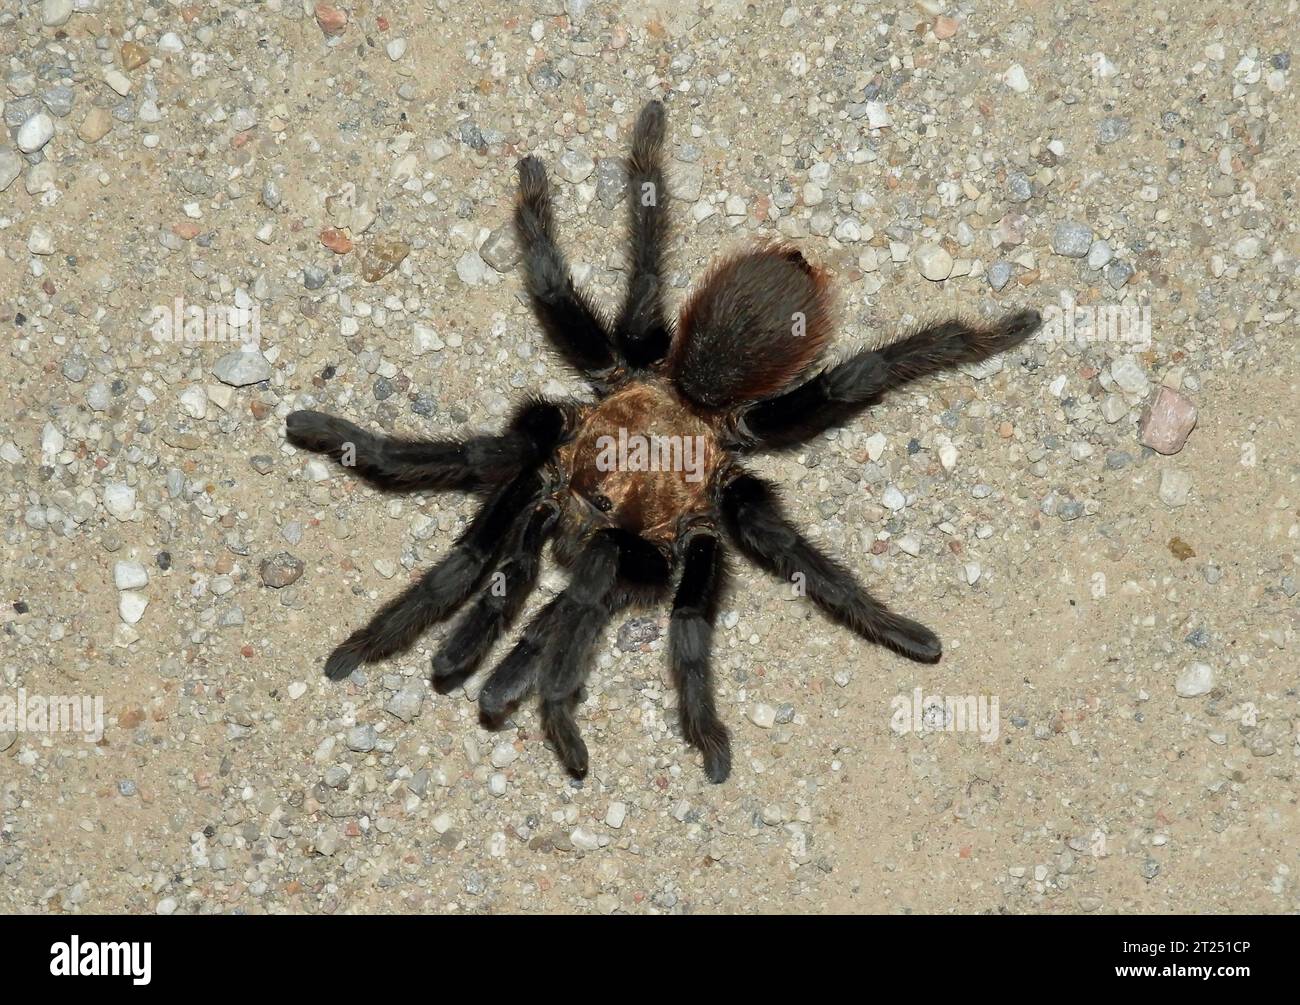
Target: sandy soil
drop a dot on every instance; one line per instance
(1079, 578)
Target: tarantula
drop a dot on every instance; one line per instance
(730, 376)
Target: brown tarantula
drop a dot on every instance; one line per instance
(729, 377)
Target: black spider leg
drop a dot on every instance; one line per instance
(571, 321)
(642, 331)
(562, 632)
(397, 464)
(690, 632)
(837, 394)
(498, 605)
(829, 399)
(554, 650)
(442, 589)
(756, 523)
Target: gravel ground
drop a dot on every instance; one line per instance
(340, 181)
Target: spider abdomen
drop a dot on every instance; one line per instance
(756, 324)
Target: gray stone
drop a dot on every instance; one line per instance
(240, 368)
(584, 839)
(59, 99)
(1113, 408)
(686, 182)
(119, 500)
(575, 166)
(11, 166)
(407, 702)
(1099, 254)
(282, 570)
(501, 250)
(1118, 273)
(1175, 485)
(637, 632)
(1019, 187)
(1129, 376)
(544, 77)
(611, 181)
(1112, 128)
(55, 12)
(362, 739)
(75, 369)
(472, 269)
(1072, 239)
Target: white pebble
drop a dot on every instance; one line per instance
(35, 133)
(118, 81)
(1194, 680)
(1175, 485)
(947, 453)
(130, 575)
(584, 840)
(909, 545)
(119, 499)
(933, 262)
(40, 241)
(504, 754)
(195, 402)
(130, 606)
(1015, 78)
(55, 12)
(51, 443)
(878, 115)
(426, 339)
(1128, 374)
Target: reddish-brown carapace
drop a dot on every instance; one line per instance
(638, 489)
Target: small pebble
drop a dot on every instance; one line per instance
(1194, 680)
(282, 570)
(1072, 239)
(361, 739)
(1175, 485)
(1167, 422)
(35, 133)
(933, 262)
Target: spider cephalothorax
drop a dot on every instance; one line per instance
(637, 490)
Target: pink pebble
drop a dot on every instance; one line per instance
(1167, 421)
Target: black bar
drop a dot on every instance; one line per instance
(230, 954)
